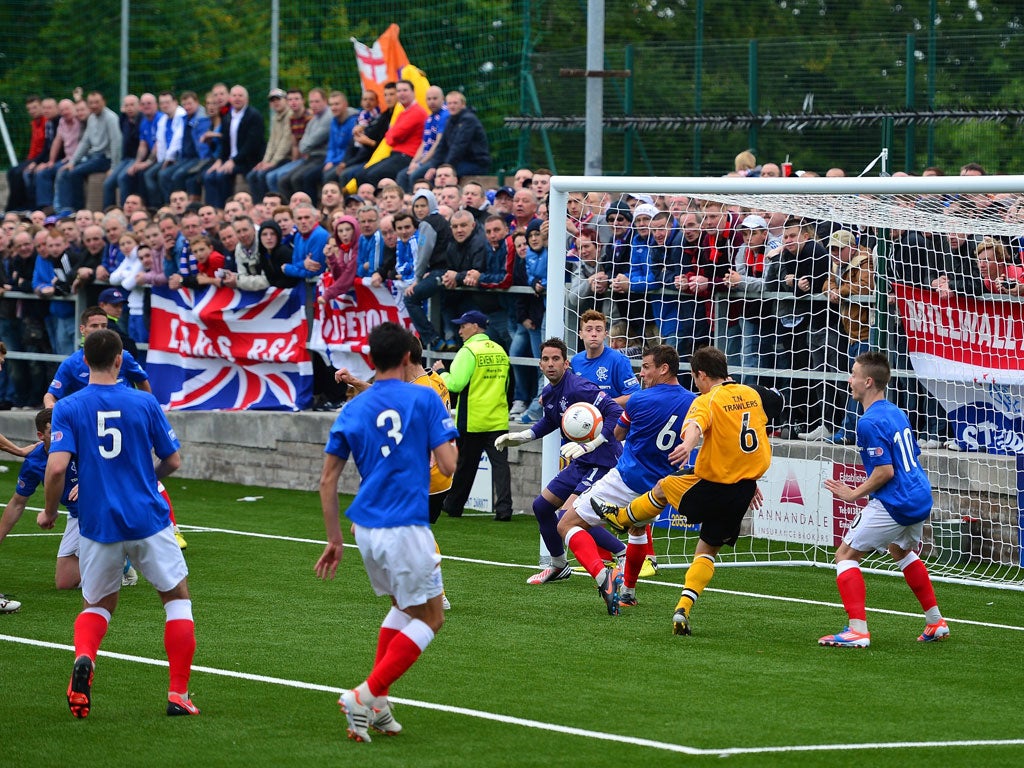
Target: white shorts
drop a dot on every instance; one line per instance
(158, 558)
(401, 562)
(71, 540)
(610, 489)
(873, 529)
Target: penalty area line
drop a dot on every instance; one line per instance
(538, 724)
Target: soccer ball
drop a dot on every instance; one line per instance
(582, 422)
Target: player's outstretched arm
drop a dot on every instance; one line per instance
(691, 436)
(328, 563)
(8, 447)
(12, 514)
(513, 438)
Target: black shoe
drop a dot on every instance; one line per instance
(503, 518)
(80, 687)
(455, 513)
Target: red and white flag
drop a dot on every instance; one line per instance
(381, 62)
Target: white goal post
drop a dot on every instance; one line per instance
(942, 299)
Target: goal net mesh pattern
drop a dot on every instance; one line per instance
(793, 281)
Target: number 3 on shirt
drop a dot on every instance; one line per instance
(395, 432)
(103, 431)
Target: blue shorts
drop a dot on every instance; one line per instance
(575, 478)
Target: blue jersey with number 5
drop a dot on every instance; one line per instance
(114, 431)
(884, 438)
(390, 430)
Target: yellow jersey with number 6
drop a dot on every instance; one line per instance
(733, 424)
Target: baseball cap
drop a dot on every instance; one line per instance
(112, 296)
(505, 191)
(753, 221)
(276, 93)
(641, 197)
(473, 316)
(842, 238)
(645, 209)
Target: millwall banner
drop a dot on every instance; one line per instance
(222, 349)
(968, 354)
(341, 327)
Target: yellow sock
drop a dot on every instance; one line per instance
(698, 575)
(641, 509)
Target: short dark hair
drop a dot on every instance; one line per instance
(91, 312)
(43, 418)
(415, 350)
(711, 361)
(558, 344)
(101, 349)
(389, 344)
(663, 354)
(876, 366)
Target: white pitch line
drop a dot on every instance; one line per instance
(539, 724)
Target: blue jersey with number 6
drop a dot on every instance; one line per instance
(884, 438)
(390, 430)
(654, 418)
(114, 431)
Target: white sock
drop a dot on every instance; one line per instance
(859, 625)
(932, 615)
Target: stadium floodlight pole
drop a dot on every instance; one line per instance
(593, 135)
(125, 11)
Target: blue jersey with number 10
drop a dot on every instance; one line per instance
(114, 431)
(390, 430)
(654, 418)
(884, 438)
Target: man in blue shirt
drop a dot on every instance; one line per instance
(114, 431)
(390, 430)
(899, 504)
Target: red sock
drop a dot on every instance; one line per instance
(402, 652)
(649, 550)
(917, 578)
(635, 554)
(180, 644)
(853, 593)
(605, 555)
(167, 498)
(387, 634)
(583, 547)
(89, 631)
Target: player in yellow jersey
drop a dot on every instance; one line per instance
(730, 418)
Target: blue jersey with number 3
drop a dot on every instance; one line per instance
(114, 431)
(390, 430)
(884, 437)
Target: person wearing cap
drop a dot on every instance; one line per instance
(480, 373)
(279, 145)
(112, 301)
(503, 202)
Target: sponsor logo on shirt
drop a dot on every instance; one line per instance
(170, 434)
(57, 436)
(55, 384)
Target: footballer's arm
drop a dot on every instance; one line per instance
(446, 455)
(327, 565)
(56, 468)
(12, 514)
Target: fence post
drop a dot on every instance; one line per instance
(753, 97)
(910, 162)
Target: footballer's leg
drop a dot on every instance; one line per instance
(578, 539)
(180, 645)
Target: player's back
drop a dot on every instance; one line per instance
(114, 431)
(736, 445)
(655, 418)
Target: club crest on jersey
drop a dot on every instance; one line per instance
(602, 373)
(563, 403)
(57, 436)
(56, 384)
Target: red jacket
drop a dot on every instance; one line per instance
(406, 135)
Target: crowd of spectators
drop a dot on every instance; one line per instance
(662, 268)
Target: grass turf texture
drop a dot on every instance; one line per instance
(751, 676)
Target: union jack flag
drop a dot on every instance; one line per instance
(222, 349)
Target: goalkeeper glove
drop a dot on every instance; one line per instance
(572, 451)
(513, 438)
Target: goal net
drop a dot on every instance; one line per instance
(793, 278)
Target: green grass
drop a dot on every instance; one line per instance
(750, 677)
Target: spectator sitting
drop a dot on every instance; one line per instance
(279, 146)
(425, 158)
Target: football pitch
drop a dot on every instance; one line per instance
(519, 675)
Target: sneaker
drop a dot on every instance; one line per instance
(628, 597)
(384, 721)
(649, 569)
(609, 513)
(818, 433)
(80, 687)
(180, 705)
(358, 715)
(680, 622)
(931, 442)
(446, 603)
(609, 591)
(130, 577)
(182, 544)
(934, 632)
(551, 573)
(7, 605)
(848, 638)
(534, 413)
(517, 409)
(954, 445)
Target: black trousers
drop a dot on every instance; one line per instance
(471, 446)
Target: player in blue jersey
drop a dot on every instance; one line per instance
(390, 430)
(899, 503)
(73, 374)
(606, 367)
(588, 461)
(32, 472)
(649, 429)
(113, 432)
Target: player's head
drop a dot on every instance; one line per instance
(102, 349)
(593, 329)
(709, 366)
(873, 366)
(43, 419)
(93, 319)
(415, 351)
(389, 346)
(554, 359)
(660, 365)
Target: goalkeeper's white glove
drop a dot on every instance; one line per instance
(513, 438)
(572, 451)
